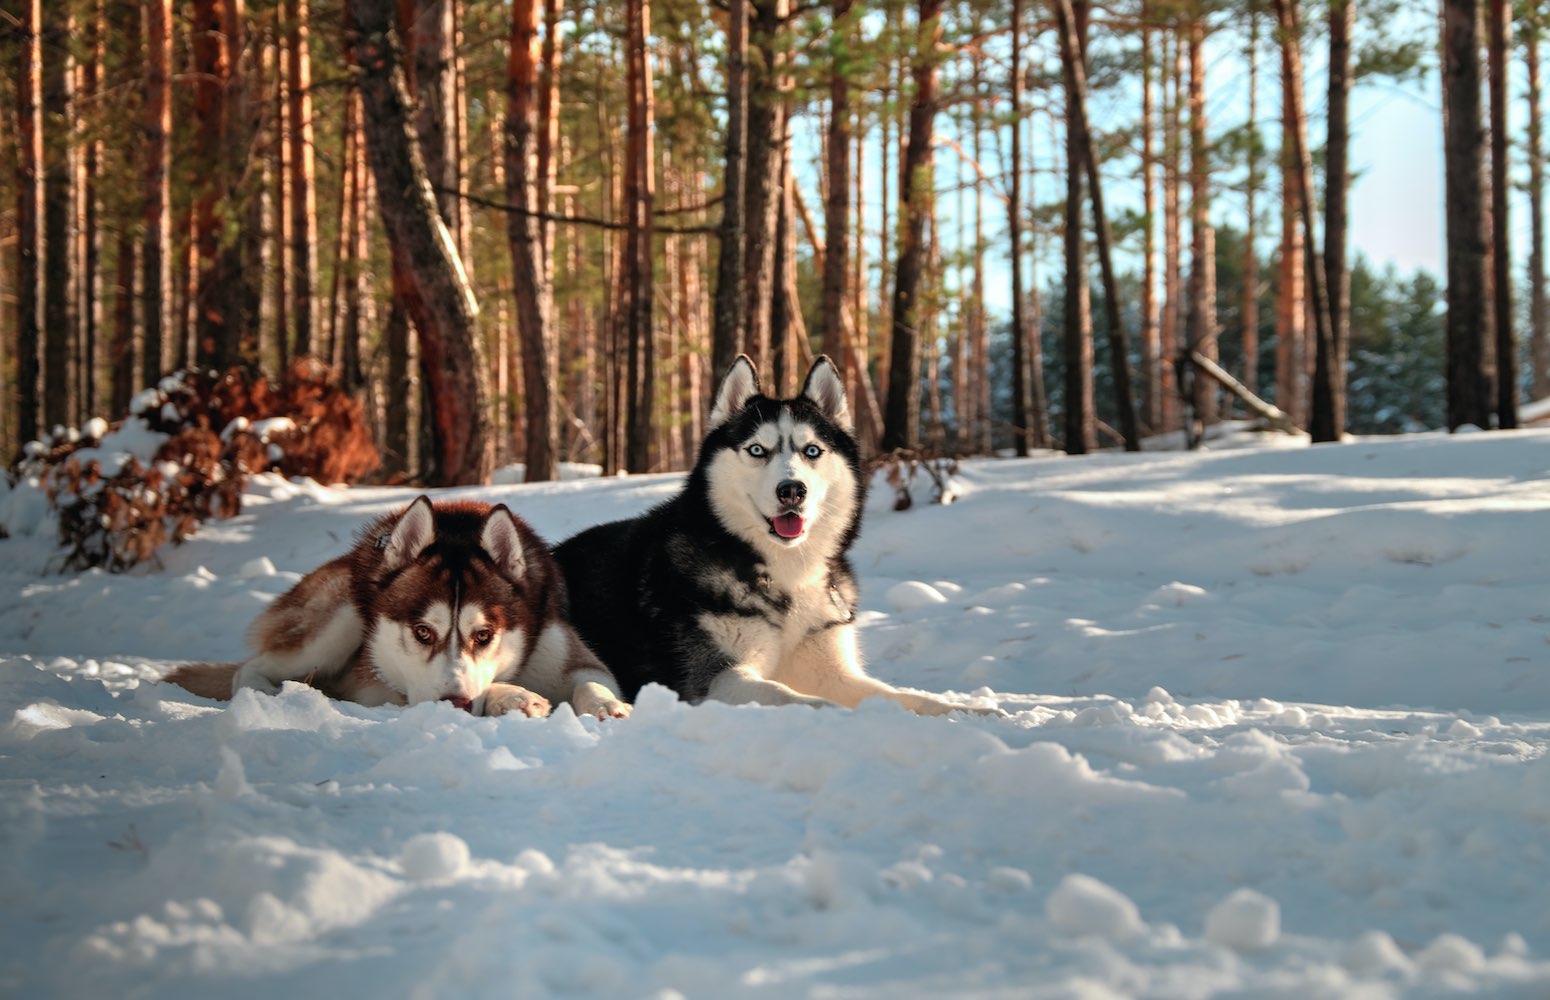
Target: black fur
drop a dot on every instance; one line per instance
(638, 587)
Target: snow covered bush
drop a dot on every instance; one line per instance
(182, 455)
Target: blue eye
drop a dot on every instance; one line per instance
(812, 451)
(756, 450)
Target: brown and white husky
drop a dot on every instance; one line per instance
(458, 602)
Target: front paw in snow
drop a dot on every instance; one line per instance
(502, 699)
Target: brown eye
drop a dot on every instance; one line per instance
(424, 634)
(483, 637)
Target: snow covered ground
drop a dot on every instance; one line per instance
(1279, 728)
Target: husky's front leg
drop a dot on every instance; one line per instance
(504, 699)
(309, 633)
(743, 685)
(566, 669)
(828, 663)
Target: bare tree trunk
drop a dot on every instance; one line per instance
(728, 325)
(786, 325)
(1151, 333)
(1539, 313)
(1119, 351)
(88, 262)
(764, 184)
(280, 215)
(1173, 254)
(1291, 311)
(901, 421)
(976, 401)
(1302, 171)
(1022, 392)
(549, 139)
(121, 349)
(213, 289)
(1469, 395)
(58, 321)
(29, 208)
(836, 260)
(1201, 334)
(1077, 337)
(639, 188)
(439, 299)
(1249, 310)
(1327, 420)
(1498, 41)
(303, 203)
(434, 97)
(530, 275)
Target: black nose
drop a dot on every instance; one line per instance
(790, 492)
(466, 704)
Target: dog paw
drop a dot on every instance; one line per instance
(603, 708)
(248, 676)
(504, 699)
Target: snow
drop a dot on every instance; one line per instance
(1278, 726)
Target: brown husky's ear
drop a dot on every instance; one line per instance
(415, 530)
(825, 387)
(740, 385)
(500, 540)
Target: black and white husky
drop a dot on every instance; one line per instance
(738, 588)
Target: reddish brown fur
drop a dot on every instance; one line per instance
(378, 583)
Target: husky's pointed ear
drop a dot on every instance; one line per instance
(415, 530)
(740, 385)
(502, 542)
(825, 388)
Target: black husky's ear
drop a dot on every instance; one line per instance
(740, 385)
(415, 530)
(499, 538)
(825, 387)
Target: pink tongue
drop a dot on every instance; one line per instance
(787, 525)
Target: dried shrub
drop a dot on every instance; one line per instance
(903, 464)
(221, 428)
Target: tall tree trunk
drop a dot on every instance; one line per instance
(1469, 394)
(1291, 291)
(1249, 310)
(530, 275)
(1498, 41)
(58, 325)
(213, 292)
(1201, 335)
(156, 250)
(90, 282)
(1539, 309)
(549, 135)
(1022, 392)
(1075, 71)
(836, 228)
(1151, 333)
(1077, 334)
(434, 96)
(395, 435)
(901, 420)
(303, 203)
(762, 171)
(1302, 172)
(280, 213)
(728, 323)
(1327, 420)
(121, 349)
(785, 309)
(1173, 252)
(638, 266)
(29, 208)
(440, 299)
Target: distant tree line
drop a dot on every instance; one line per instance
(538, 231)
